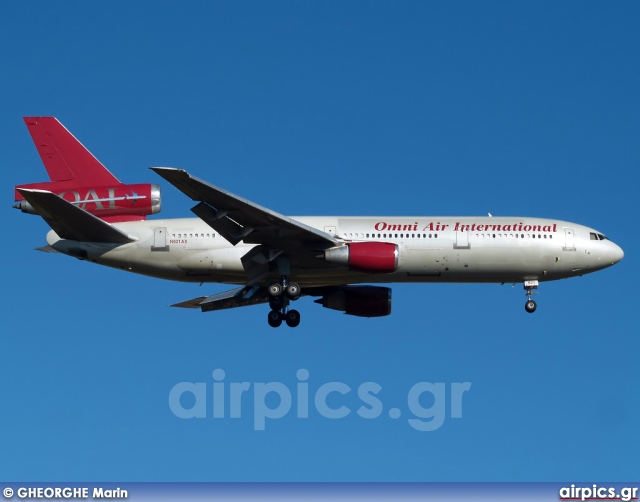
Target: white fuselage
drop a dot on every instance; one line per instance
(431, 249)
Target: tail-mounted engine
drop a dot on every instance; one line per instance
(361, 301)
(118, 202)
(371, 257)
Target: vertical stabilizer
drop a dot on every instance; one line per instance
(81, 179)
(63, 156)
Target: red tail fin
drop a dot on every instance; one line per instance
(78, 177)
(63, 156)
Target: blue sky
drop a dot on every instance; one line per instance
(352, 108)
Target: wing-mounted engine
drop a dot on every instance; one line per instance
(361, 301)
(117, 202)
(370, 257)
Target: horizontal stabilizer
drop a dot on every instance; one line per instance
(70, 222)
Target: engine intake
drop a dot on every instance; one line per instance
(371, 257)
(361, 301)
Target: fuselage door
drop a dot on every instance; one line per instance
(160, 239)
(462, 240)
(569, 240)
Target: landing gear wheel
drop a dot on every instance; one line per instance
(530, 287)
(292, 318)
(274, 318)
(293, 290)
(279, 302)
(276, 302)
(275, 289)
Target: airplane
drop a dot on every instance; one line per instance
(275, 259)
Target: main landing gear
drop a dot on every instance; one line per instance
(280, 294)
(529, 287)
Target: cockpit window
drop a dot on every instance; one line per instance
(593, 237)
(602, 237)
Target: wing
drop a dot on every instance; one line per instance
(71, 222)
(238, 219)
(239, 297)
(359, 300)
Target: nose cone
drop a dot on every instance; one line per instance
(616, 253)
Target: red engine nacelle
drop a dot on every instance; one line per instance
(114, 203)
(361, 301)
(371, 257)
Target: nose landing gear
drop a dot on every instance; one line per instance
(280, 294)
(529, 287)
